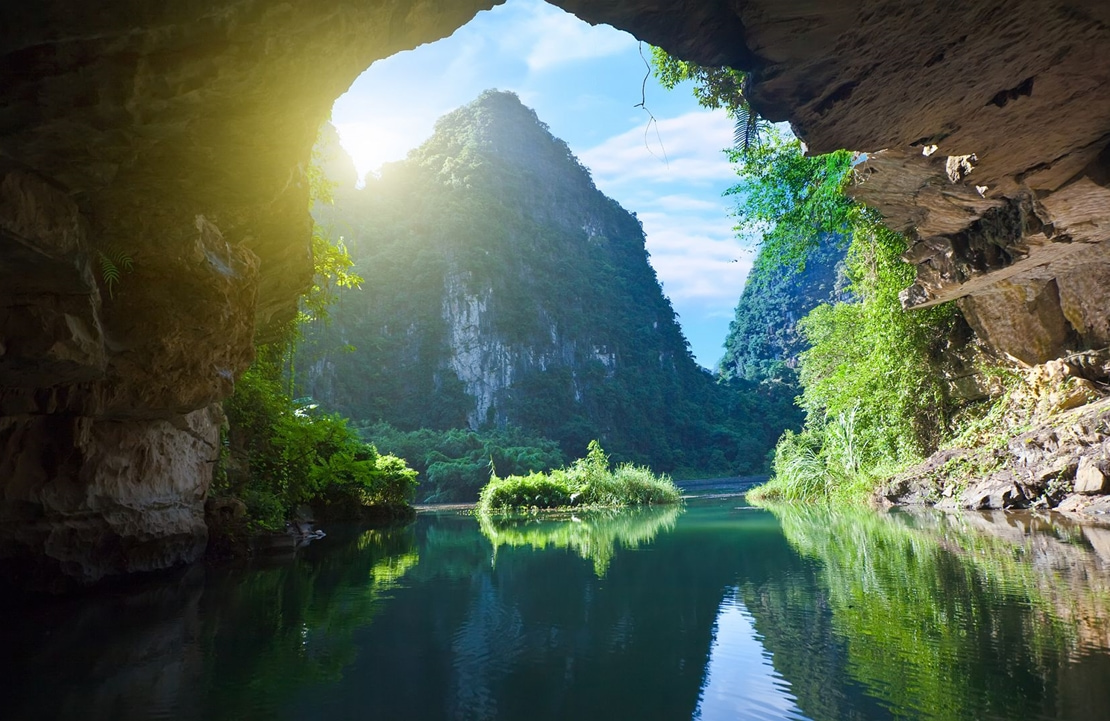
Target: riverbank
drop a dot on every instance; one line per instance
(1047, 446)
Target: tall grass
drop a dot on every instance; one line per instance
(589, 481)
(821, 463)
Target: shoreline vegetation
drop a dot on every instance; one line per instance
(589, 482)
(880, 387)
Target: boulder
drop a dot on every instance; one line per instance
(1092, 478)
(994, 494)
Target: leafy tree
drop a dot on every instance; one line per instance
(872, 387)
(285, 455)
(875, 359)
(872, 382)
(714, 87)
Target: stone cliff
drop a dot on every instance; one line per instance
(174, 137)
(171, 139)
(502, 288)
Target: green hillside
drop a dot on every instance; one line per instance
(502, 289)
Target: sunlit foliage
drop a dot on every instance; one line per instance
(589, 482)
(456, 463)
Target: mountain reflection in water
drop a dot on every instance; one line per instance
(712, 610)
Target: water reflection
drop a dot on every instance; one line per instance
(539, 634)
(593, 535)
(741, 682)
(230, 643)
(956, 616)
(714, 612)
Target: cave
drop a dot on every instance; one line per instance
(154, 205)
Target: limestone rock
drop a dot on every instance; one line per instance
(1092, 478)
(994, 494)
(94, 497)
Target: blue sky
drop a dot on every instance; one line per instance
(584, 82)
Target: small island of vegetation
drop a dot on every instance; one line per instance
(588, 482)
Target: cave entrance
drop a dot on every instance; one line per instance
(654, 151)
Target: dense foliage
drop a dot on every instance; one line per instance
(764, 339)
(714, 87)
(503, 289)
(873, 389)
(594, 534)
(920, 601)
(796, 200)
(283, 455)
(872, 384)
(456, 463)
(588, 482)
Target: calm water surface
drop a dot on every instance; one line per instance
(711, 611)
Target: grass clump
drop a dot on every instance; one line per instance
(588, 482)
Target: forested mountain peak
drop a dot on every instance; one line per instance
(498, 127)
(503, 289)
(763, 336)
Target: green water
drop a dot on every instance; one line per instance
(713, 611)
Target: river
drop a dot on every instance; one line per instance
(711, 610)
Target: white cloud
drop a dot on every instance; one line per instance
(698, 268)
(547, 37)
(683, 149)
(684, 203)
(694, 248)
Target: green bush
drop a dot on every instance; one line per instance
(588, 481)
(282, 455)
(873, 390)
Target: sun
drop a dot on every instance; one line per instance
(372, 143)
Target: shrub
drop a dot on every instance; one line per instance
(588, 481)
(455, 464)
(283, 455)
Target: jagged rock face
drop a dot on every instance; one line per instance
(985, 125)
(153, 218)
(957, 97)
(88, 497)
(176, 134)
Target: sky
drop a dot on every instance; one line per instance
(585, 82)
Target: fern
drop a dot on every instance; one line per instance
(113, 263)
(748, 127)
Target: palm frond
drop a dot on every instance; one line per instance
(747, 130)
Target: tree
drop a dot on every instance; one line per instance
(714, 87)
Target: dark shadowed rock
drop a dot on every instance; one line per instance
(994, 495)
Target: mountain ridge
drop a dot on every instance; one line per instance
(503, 288)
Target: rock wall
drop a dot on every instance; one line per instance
(985, 127)
(172, 138)
(153, 221)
